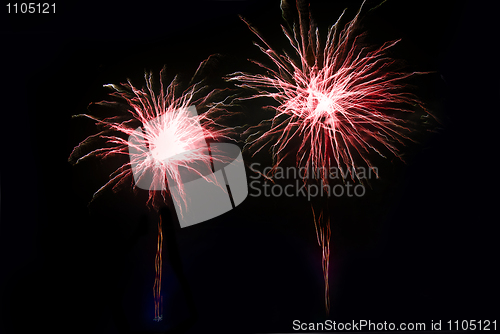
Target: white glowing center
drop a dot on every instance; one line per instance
(166, 145)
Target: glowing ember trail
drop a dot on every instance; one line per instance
(172, 138)
(158, 266)
(339, 100)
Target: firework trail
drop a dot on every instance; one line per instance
(171, 139)
(340, 100)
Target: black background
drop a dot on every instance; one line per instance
(420, 246)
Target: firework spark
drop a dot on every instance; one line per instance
(163, 137)
(340, 100)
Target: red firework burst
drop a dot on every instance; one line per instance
(171, 137)
(340, 100)
(163, 136)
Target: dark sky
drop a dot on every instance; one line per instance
(419, 247)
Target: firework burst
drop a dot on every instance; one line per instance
(162, 135)
(172, 135)
(339, 99)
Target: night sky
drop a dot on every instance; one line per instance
(418, 247)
